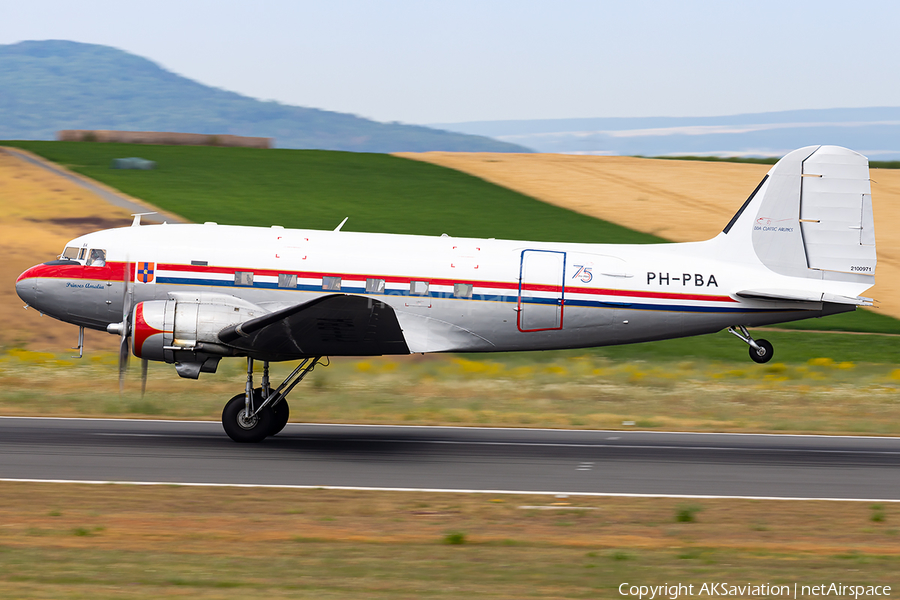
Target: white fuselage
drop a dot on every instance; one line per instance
(449, 294)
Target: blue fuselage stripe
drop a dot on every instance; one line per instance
(569, 302)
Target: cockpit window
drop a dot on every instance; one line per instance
(96, 258)
(71, 252)
(81, 254)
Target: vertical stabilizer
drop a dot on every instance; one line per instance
(811, 217)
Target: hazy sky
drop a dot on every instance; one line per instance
(460, 60)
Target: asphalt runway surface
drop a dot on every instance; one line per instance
(454, 459)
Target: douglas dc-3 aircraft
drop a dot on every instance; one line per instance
(801, 246)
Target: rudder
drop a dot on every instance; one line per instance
(811, 217)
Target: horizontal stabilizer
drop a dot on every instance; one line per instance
(803, 296)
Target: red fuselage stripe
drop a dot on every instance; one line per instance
(115, 271)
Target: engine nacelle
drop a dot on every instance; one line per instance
(152, 329)
(183, 330)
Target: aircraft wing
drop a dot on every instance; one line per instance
(336, 324)
(803, 296)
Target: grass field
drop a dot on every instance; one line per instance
(705, 383)
(672, 384)
(78, 541)
(316, 190)
(119, 541)
(576, 390)
(861, 320)
(39, 212)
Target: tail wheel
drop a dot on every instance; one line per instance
(765, 352)
(244, 427)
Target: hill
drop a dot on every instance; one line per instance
(873, 131)
(52, 85)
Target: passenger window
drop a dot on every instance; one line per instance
(96, 258)
(462, 290)
(243, 278)
(418, 288)
(70, 253)
(331, 283)
(287, 281)
(375, 286)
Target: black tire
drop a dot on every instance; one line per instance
(282, 412)
(765, 352)
(245, 431)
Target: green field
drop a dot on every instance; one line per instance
(382, 193)
(314, 189)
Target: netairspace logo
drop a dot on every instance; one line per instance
(675, 591)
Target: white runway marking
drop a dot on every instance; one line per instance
(446, 490)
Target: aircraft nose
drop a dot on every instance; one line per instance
(26, 287)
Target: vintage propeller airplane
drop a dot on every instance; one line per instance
(801, 246)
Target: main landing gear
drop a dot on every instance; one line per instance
(761, 351)
(258, 413)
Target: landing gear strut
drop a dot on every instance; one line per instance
(761, 351)
(258, 413)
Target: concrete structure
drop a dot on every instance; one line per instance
(162, 138)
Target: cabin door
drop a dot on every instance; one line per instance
(541, 290)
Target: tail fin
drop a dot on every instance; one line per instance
(811, 216)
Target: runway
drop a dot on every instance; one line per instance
(455, 459)
(109, 194)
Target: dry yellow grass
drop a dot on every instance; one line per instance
(682, 201)
(116, 541)
(221, 520)
(39, 213)
(819, 397)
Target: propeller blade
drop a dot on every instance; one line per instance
(127, 302)
(128, 290)
(123, 362)
(144, 363)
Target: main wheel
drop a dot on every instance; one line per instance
(244, 428)
(765, 352)
(282, 413)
